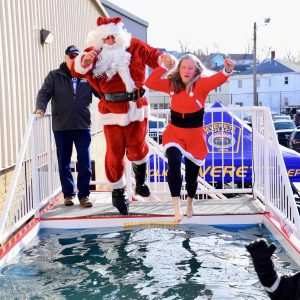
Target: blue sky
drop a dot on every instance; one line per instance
(219, 25)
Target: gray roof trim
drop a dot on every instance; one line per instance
(100, 8)
(125, 13)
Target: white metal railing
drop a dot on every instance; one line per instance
(229, 174)
(35, 179)
(271, 182)
(229, 168)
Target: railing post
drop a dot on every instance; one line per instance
(35, 171)
(266, 160)
(50, 162)
(254, 155)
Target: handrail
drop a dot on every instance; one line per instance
(16, 173)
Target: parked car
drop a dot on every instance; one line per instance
(284, 136)
(295, 140)
(281, 117)
(284, 124)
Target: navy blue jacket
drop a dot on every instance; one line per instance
(70, 110)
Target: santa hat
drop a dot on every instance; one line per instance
(105, 28)
(109, 26)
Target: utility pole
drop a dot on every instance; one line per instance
(255, 98)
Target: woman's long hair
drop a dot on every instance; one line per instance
(177, 84)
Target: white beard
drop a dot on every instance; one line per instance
(114, 59)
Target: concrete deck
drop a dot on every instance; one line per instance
(102, 207)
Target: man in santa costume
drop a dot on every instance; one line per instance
(114, 63)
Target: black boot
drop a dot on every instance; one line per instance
(120, 201)
(140, 176)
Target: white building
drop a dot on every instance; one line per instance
(278, 85)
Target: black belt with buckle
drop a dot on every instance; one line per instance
(123, 97)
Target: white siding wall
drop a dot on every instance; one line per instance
(24, 62)
(272, 96)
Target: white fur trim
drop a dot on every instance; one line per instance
(186, 154)
(226, 73)
(133, 114)
(142, 161)
(109, 29)
(78, 67)
(274, 287)
(94, 39)
(124, 73)
(119, 184)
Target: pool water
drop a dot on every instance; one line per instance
(187, 262)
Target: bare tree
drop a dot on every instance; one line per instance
(248, 48)
(201, 54)
(292, 58)
(184, 46)
(264, 53)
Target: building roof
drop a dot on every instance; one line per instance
(234, 56)
(273, 66)
(129, 15)
(245, 56)
(237, 69)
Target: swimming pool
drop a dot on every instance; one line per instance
(185, 262)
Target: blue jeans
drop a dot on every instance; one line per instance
(64, 144)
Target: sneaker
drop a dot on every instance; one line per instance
(85, 202)
(69, 201)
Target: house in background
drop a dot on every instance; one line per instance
(278, 85)
(215, 60)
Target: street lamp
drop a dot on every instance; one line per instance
(255, 98)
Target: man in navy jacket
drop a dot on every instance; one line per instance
(71, 120)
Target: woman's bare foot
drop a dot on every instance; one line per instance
(189, 207)
(177, 209)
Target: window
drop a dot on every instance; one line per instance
(270, 82)
(286, 101)
(258, 83)
(240, 84)
(239, 103)
(286, 80)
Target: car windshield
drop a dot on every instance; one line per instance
(284, 125)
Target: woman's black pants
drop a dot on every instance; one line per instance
(174, 173)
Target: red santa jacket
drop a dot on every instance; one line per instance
(122, 113)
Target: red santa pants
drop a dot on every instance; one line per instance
(121, 140)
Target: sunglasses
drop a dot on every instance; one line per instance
(73, 55)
